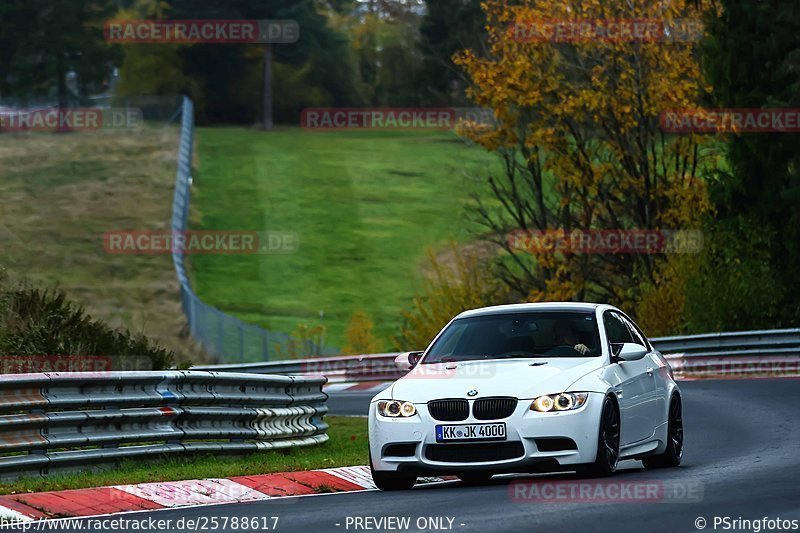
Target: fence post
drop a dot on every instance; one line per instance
(220, 334)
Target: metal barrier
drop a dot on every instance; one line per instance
(764, 342)
(66, 421)
(220, 334)
(761, 353)
(342, 369)
(767, 352)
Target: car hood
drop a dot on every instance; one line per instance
(521, 378)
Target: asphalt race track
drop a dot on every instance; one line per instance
(742, 460)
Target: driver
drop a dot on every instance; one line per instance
(565, 333)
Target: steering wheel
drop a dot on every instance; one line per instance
(563, 350)
(516, 352)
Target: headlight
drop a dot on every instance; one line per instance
(566, 401)
(396, 408)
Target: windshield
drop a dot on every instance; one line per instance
(534, 334)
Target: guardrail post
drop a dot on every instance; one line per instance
(43, 431)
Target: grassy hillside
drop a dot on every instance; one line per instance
(365, 206)
(62, 192)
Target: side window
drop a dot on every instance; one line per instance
(616, 330)
(637, 336)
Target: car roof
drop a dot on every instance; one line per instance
(523, 308)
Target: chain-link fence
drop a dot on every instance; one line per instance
(221, 334)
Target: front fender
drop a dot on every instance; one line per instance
(592, 382)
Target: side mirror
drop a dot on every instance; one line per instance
(627, 351)
(407, 360)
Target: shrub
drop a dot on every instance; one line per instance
(359, 337)
(734, 286)
(304, 341)
(35, 321)
(447, 291)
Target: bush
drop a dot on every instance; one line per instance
(448, 290)
(735, 286)
(359, 336)
(731, 285)
(36, 321)
(305, 341)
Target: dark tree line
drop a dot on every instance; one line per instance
(752, 60)
(350, 53)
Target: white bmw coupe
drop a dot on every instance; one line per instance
(527, 388)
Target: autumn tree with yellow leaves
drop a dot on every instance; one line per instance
(359, 336)
(577, 127)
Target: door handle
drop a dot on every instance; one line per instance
(649, 371)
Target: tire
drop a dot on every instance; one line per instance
(607, 458)
(475, 478)
(674, 453)
(391, 480)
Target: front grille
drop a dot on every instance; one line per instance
(449, 410)
(474, 452)
(493, 408)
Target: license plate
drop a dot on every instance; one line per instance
(464, 432)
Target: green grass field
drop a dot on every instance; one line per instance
(365, 206)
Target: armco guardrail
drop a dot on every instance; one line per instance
(342, 369)
(774, 341)
(768, 352)
(66, 421)
(746, 353)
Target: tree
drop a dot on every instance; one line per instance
(151, 68)
(42, 40)
(359, 337)
(577, 128)
(383, 35)
(230, 77)
(747, 69)
(449, 26)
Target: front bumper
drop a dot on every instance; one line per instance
(523, 428)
